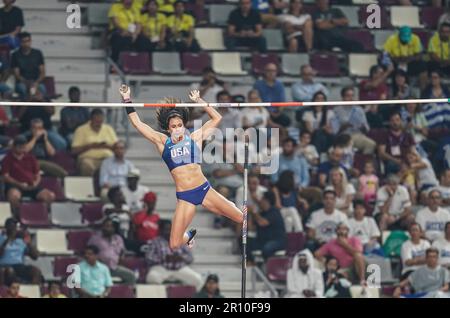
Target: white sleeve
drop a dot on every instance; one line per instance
(374, 230)
(406, 253)
(405, 198)
(318, 283)
(350, 189)
(420, 218)
(381, 197)
(312, 222)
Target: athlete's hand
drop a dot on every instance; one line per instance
(194, 95)
(125, 91)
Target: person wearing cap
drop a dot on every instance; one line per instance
(303, 279)
(210, 289)
(146, 222)
(405, 50)
(393, 207)
(21, 174)
(114, 170)
(134, 192)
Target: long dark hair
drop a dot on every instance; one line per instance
(323, 121)
(165, 114)
(286, 182)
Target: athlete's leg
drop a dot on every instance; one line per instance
(217, 203)
(184, 213)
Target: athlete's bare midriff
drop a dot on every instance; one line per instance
(188, 177)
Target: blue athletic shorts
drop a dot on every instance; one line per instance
(195, 196)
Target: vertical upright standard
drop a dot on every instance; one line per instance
(244, 224)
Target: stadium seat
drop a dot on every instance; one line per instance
(198, 12)
(405, 15)
(61, 265)
(167, 63)
(352, 14)
(295, 243)
(381, 37)
(66, 214)
(121, 291)
(291, 63)
(259, 61)
(385, 16)
(227, 63)
(97, 13)
(424, 36)
(79, 189)
(5, 56)
(277, 267)
(52, 242)
(49, 83)
(360, 64)
(5, 212)
(77, 240)
(362, 36)
(180, 291)
(326, 64)
(151, 291)
(91, 212)
(136, 263)
(218, 14)
(136, 63)
(359, 292)
(30, 291)
(210, 39)
(65, 160)
(53, 184)
(195, 63)
(274, 38)
(429, 16)
(34, 214)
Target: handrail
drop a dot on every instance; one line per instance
(256, 272)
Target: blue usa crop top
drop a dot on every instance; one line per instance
(180, 154)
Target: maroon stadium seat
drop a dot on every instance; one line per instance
(60, 265)
(424, 36)
(429, 16)
(385, 16)
(91, 212)
(3, 290)
(136, 263)
(34, 214)
(54, 185)
(362, 36)
(180, 291)
(360, 159)
(295, 243)
(77, 240)
(277, 267)
(259, 61)
(121, 291)
(138, 63)
(198, 11)
(49, 83)
(194, 63)
(325, 64)
(65, 160)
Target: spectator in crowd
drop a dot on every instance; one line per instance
(307, 150)
(73, 117)
(269, 9)
(270, 231)
(405, 49)
(417, 125)
(210, 289)
(393, 209)
(125, 28)
(394, 144)
(290, 161)
(444, 187)
(334, 160)
(345, 191)
(364, 227)
(279, 119)
(95, 279)
(256, 191)
(345, 142)
(352, 120)
(154, 27)
(13, 249)
(429, 279)
(256, 117)
(297, 27)
(93, 142)
(441, 159)
(436, 89)
(117, 210)
(330, 26)
(181, 27)
(303, 279)
(348, 251)
(166, 263)
(335, 284)
(54, 290)
(40, 144)
(375, 88)
(166, 6)
(146, 222)
(400, 86)
(307, 87)
(226, 174)
(111, 249)
(443, 246)
(321, 227)
(210, 85)
(13, 289)
(11, 24)
(115, 169)
(438, 49)
(423, 170)
(133, 191)
(413, 250)
(444, 18)
(21, 174)
(433, 218)
(269, 87)
(245, 28)
(287, 198)
(368, 183)
(28, 67)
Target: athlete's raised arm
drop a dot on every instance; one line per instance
(215, 117)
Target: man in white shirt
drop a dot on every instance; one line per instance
(413, 250)
(433, 218)
(134, 192)
(393, 209)
(322, 223)
(364, 227)
(443, 246)
(444, 187)
(303, 280)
